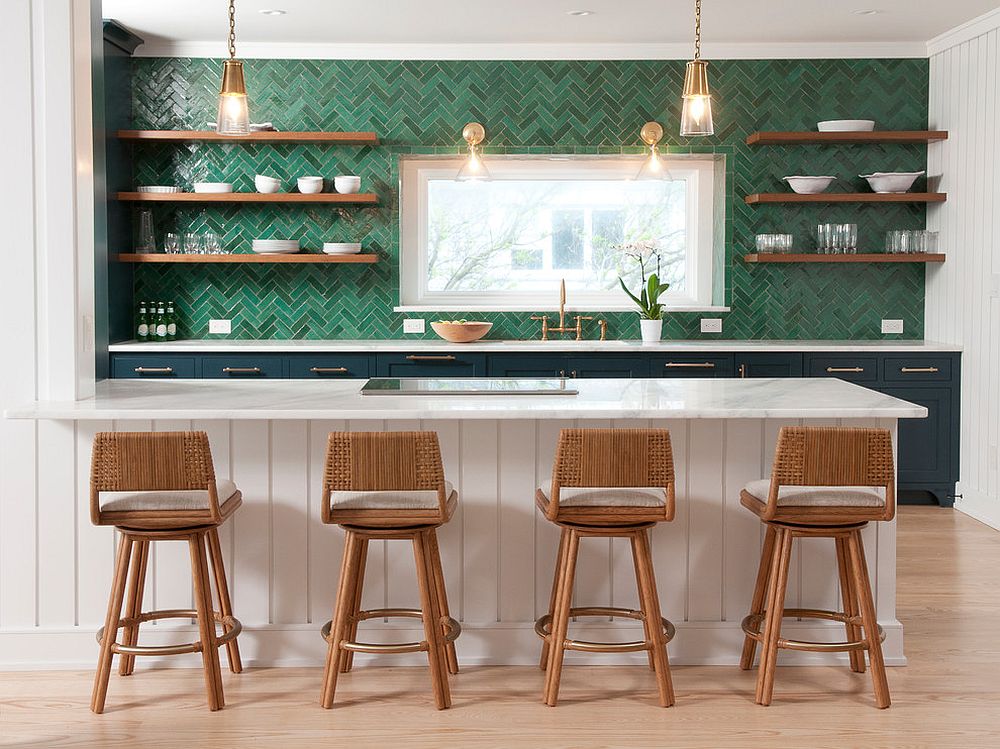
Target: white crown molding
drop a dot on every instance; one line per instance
(965, 32)
(533, 51)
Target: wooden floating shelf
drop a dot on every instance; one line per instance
(248, 197)
(758, 198)
(872, 257)
(210, 136)
(247, 257)
(876, 136)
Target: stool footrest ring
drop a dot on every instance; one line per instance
(543, 628)
(231, 624)
(751, 627)
(452, 630)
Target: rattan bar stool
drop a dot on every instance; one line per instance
(607, 483)
(161, 486)
(389, 485)
(826, 482)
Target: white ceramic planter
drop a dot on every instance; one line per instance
(651, 330)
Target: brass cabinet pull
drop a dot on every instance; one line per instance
(416, 357)
(831, 370)
(328, 370)
(241, 370)
(743, 370)
(694, 365)
(154, 370)
(919, 370)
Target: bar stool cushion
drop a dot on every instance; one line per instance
(586, 496)
(819, 496)
(424, 499)
(172, 500)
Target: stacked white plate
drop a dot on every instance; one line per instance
(158, 188)
(275, 246)
(341, 248)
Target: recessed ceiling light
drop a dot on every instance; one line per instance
(272, 12)
(869, 12)
(579, 13)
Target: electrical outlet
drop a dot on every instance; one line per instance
(413, 325)
(892, 326)
(711, 325)
(223, 327)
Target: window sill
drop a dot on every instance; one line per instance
(544, 308)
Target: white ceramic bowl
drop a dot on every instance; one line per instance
(213, 186)
(347, 184)
(341, 248)
(845, 126)
(158, 188)
(892, 182)
(310, 185)
(266, 184)
(808, 185)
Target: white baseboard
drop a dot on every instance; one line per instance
(696, 643)
(982, 507)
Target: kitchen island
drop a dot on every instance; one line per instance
(498, 554)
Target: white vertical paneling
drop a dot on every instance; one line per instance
(706, 461)
(741, 528)
(517, 521)
(400, 572)
(218, 438)
(94, 544)
(480, 520)
(57, 509)
(289, 521)
(885, 591)
(450, 537)
(250, 573)
(171, 559)
(669, 541)
(18, 521)
(326, 543)
(546, 536)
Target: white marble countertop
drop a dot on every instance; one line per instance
(496, 346)
(813, 398)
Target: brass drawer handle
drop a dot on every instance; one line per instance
(693, 365)
(241, 370)
(415, 357)
(154, 370)
(919, 370)
(831, 370)
(328, 370)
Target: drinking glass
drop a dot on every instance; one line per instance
(171, 243)
(850, 232)
(211, 243)
(823, 238)
(192, 243)
(147, 241)
(931, 244)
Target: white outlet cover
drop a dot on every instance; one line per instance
(413, 325)
(711, 325)
(223, 327)
(892, 326)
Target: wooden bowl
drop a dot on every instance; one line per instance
(463, 332)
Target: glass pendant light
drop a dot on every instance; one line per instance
(696, 114)
(234, 114)
(653, 167)
(473, 170)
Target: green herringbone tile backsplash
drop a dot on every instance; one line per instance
(536, 106)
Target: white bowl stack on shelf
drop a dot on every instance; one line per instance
(275, 246)
(809, 185)
(846, 126)
(213, 187)
(341, 248)
(158, 188)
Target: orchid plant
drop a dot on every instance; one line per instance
(648, 299)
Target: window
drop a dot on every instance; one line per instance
(506, 243)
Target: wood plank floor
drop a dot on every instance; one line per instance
(949, 695)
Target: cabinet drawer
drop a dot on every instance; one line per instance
(852, 368)
(241, 366)
(154, 367)
(328, 366)
(691, 365)
(917, 369)
(420, 364)
(527, 365)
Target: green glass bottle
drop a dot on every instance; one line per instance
(161, 322)
(171, 322)
(142, 324)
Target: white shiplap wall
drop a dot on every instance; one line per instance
(963, 294)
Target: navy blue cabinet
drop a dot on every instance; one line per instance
(328, 366)
(430, 365)
(848, 367)
(768, 365)
(242, 366)
(927, 449)
(691, 365)
(149, 366)
(527, 365)
(579, 365)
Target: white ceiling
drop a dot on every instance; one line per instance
(633, 27)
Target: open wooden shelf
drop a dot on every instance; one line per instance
(876, 136)
(872, 257)
(210, 136)
(247, 257)
(758, 198)
(247, 197)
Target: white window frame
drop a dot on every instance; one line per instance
(415, 173)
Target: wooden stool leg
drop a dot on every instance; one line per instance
(111, 624)
(222, 587)
(442, 597)
(560, 618)
(206, 621)
(133, 603)
(543, 662)
(432, 620)
(638, 585)
(775, 612)
(651, 616)
(869, 621)
(341, 610)
(354, 595)
(850, 603)
(759, 594)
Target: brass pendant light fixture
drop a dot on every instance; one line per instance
(653, 166)
(234, 114)
(696, 114)
(473, 170)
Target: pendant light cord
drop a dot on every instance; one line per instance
(232, 29)
(697, 29)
